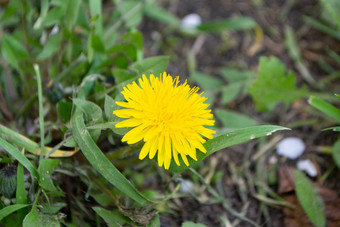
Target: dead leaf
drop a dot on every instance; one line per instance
(286, 179)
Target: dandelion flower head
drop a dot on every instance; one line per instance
(169, 117)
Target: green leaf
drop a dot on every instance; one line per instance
(32, 218)
(98, 160)
(109, 107)
(331, 9)
(335, 129)
(322, 27)
(64, 110)
(291, 44)
(152, 65)
(46, 168)
(71, 13)
(54, 17)
(192, 224)
(238, 23)
(87, 85)
(230, 92)
(39, 219)
(92, 110)
(325, 107)
(12, 150)
(273, 85)
(4, 212)
(122, 75)
(155, 222)
(232, 120)
(239, 82)
(131, 20)
(52, 46)
(112, 217)
(227, 140)
(233, 75)
(44, 5)
(52, 208)
(161, 15)
(206, 82)
(309, 199)
(96, 12)
(21, 197)
(336, 153)
(13, 50)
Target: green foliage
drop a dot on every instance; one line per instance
(19, 157)
(325, 107)
(46, 167)
(232, 120)
(100, 162)
(13, 51)
(273, 85)
(238, 23)
(238, 83)
(334, 113)
(309, 199)
(330, 12)
(4, 212)
(112, 217)
(192, 224)
(336, 153)
(161, 15)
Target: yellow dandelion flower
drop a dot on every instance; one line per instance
(169, 117)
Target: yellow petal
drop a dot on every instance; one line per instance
(145, 150)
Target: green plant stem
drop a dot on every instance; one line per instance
(41, 111)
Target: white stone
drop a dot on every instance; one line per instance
(307, 166)
(54, 30)
(191, 21)
(291, 147)
(186, 186)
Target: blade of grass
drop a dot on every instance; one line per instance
(322, 27)
(12, 150)
(4, 212)
(41, 110)
(325, 107)
(98, 160)
(20, 196)
(31, 146)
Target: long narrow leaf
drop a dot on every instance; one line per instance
(21, 197)
(98, 160)
(309, 199)
(232, 138)
(4, 212)
(29, 145)
(19, 157)
(325, 107)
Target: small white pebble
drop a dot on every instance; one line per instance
(54, 30)
(291, 147)
(307, 166)
(191, 21)
(6, 201)
(186, 186)
(272, 160)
